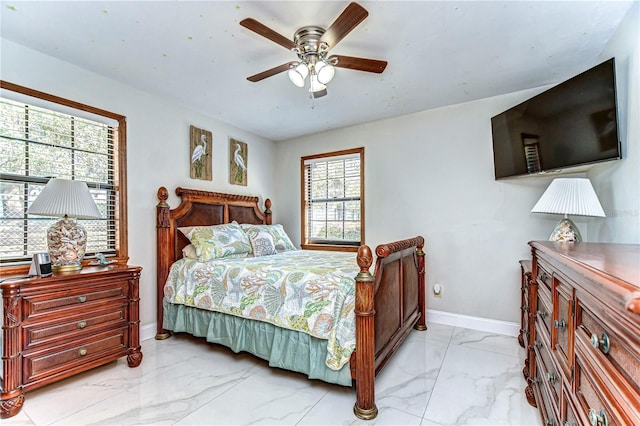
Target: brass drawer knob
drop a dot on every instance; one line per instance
(560, 324)
(82, 352)
(602, 343)
(82, 324)
(598, 419)
(82, 298)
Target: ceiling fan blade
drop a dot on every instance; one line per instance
(271, 72)
(359, 64)
(267, 32)
(347, 21)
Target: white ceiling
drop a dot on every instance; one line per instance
(439, 52)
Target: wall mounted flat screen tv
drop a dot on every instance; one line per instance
(574, 123)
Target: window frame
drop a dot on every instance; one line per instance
(120, 213)
(348, 247)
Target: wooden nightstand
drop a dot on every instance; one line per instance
(61, 325)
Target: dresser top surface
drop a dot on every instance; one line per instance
(617, 260)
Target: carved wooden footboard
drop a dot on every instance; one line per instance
(388, 303)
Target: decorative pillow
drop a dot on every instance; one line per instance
(261, 242)
(280, 237)
(189, 252)
(218, 241)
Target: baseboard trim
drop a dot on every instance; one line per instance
(473, 323)
(438, 317)
(148, 331)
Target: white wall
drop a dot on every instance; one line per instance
(618, 184)
(157, 149)
(431, 173)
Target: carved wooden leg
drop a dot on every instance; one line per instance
(365, 407)
(134, 359)
(12, 396)
(11, 406)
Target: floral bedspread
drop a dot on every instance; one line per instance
(305, 290)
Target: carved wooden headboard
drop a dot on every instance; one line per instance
(197, 208)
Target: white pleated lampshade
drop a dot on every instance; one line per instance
(63, 197)
(570, 196)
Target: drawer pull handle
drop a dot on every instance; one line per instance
(602, 343)
(560, 324)
(82, 352)
(552, 377)
(82, 298)
(549, 422)
(537, 344)
(598, 419)
(524, 308)
(543, 276)
(82, 324)
(542, 313)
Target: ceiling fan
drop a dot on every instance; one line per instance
(312, 44)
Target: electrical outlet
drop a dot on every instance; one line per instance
(437, 290)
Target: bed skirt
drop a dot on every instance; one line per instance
(282, 348)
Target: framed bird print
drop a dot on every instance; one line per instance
(200, 143)
(237, 162)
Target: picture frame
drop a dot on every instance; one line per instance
(200, 148)
(238, 155)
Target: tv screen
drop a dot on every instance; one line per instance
(572, 124)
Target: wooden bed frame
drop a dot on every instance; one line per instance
(388, 303)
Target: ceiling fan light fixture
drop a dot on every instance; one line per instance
(325, 71)
(298, 74)
(316, 88)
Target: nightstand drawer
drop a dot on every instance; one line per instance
(42, 304)
(74, 326)
(64, 358)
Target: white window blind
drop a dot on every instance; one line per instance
(37, 144)
(333, 213)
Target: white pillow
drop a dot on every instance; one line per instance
(261, 242)
(280, 238)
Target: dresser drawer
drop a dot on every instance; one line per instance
(544, 314)
(74, 326)
(544, 276)
(562, 323)
(52, 303)
(616, 353)
(545, 405)
(548, 372)
(61, 359)
(591, 402)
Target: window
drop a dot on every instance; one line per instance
(333, 194)
(43, 136)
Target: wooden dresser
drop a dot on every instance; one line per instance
(583, 333)
(54, 327)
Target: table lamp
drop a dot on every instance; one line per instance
(569, 196)
(66, 239)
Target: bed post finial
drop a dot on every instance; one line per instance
(422, 295)
(163, 257)
(267, 211)
(365, 407)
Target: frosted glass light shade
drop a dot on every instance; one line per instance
(574, 196)
(66, 239)
(298, 74)
(63, 197)
(325, 72)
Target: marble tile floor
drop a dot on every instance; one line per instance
(444, 376)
